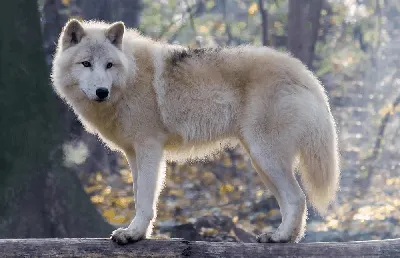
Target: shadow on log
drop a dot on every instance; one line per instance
(96, 247)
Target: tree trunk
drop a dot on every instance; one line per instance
(53, 19)
(38, 196)
(303, 26)
(53, 23)
(127, 11)
(264, 22)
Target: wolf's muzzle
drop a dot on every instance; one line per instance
(102, 94)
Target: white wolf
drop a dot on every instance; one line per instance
(156, 102)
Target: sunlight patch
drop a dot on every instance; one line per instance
(75, 153)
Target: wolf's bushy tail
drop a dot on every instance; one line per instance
(319, 161)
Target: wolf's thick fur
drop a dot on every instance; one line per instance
(168, 102)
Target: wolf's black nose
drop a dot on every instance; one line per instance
(102, 93)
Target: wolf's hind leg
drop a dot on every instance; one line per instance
(148, 181)
(273, 161)
(267, 182)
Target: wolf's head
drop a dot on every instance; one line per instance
(89, 62)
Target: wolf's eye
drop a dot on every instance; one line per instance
(86, 64)
(109, 65)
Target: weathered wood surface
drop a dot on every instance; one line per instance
(95, 247)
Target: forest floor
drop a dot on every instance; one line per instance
(220, 200)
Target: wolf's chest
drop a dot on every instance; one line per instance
(106, 125)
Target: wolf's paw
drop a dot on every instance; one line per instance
(272, 238)
(123, 236)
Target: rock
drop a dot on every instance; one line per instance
(186, 231)
(209, 228)
(274, 216)
(244, 236)
(166, 226)
(265, 205)
(222, 223)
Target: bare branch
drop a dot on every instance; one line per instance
(264, 22)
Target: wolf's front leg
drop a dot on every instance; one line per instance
(150, 164)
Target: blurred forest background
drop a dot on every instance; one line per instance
(56, 180)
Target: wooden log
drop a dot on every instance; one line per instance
(95, 247)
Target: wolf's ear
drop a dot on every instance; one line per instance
(115, 33)
(72, 34)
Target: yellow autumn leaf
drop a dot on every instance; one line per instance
(227, 188)
(259, 193)
(192, 169)
(203, 29)
(396, 202)
(386, 109)
(124, 172)
(393, 181)
(126, 176)
(235, 219)
(334, 223)
(227, 162)
(107, 190)
(177, 192)
(241, 165)
(253, 8)
(261, 216)
(273, 212)
(118, 219)
(109, 214)
(97, 199)
(208, 231)
(124, 202)
(208, 177)
(99, 177)
(91, 189)
(121, 161)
